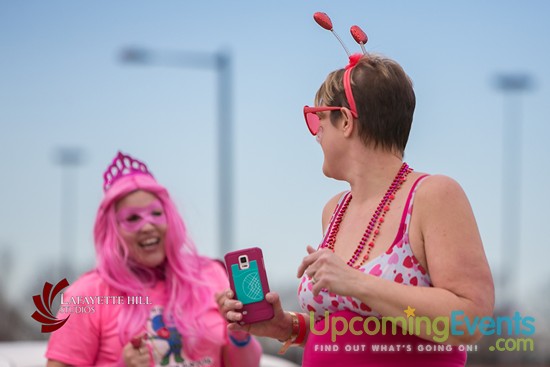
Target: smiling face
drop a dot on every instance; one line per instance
(142, 225)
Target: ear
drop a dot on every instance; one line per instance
(348, 123)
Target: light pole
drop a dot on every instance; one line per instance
(511, 85)
(221, 63)
(69, 158)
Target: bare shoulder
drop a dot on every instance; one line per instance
(329, 208)
(438, 188)
(441, 199)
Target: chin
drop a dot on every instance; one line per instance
(151, 260)
(326, 171)
(153, 263)
(334, 174)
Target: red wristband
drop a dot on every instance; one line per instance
(299, 332)
(302, 329)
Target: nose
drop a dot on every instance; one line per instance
(147, 227)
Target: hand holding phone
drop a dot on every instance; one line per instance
(248, 281)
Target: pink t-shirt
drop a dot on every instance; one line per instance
(90, 337)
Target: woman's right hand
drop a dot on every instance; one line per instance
(136, 355)
(279, 327)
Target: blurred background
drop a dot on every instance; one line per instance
(210, 94)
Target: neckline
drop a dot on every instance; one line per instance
(400, 231)
(367, 242)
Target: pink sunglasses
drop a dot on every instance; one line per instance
(310, 113)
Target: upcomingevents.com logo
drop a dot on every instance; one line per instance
(43, 303)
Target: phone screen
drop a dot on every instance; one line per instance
(248, 285)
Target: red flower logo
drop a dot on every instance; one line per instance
(43, 305)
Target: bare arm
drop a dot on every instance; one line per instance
(455, 257)
(454, 253)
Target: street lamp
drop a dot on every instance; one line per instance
(69, 158)
(511, 84)
(220, 62)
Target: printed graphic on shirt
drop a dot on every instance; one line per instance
(166, 343)
(247, 283)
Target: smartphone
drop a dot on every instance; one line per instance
(248, 281)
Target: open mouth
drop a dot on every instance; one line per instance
(149, 243)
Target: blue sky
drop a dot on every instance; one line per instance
(62, 84)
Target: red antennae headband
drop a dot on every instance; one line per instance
(356, 32)
(361, 38)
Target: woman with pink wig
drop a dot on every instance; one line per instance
(150, 301)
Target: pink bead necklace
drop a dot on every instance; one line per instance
(373, 229)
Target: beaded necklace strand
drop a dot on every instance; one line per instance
(373, 228)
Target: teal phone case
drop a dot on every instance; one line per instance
(248, 285)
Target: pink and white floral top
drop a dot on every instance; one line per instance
(398, 264)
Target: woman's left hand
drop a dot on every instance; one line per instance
(327, 271)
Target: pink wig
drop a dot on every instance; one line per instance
(188, 292)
